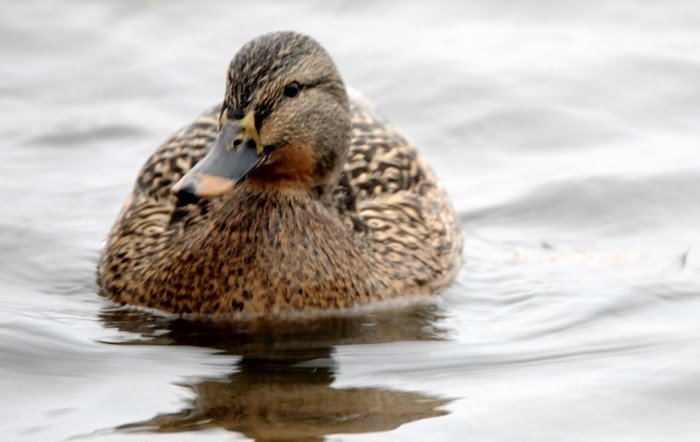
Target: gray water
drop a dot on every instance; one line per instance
(567, 133)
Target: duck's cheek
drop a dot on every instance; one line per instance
(274, 133)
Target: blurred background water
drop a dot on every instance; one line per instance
(566, 132)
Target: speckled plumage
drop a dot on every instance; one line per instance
(368, 222)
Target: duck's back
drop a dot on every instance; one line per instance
(386, 197)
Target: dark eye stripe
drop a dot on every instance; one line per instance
(260, 114)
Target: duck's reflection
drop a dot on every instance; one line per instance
(281, 388)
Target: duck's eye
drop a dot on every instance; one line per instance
(292, 89)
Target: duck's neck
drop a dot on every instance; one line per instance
(262, 213)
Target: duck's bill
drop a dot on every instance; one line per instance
(223, 167)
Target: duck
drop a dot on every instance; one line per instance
(292, 195)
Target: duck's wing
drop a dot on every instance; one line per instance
(152, 216)
(397, 201)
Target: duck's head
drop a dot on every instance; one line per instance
(285, 121)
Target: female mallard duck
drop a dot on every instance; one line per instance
(299, 200)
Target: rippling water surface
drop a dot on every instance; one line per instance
(568, 134)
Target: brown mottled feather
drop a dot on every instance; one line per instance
(388, 231)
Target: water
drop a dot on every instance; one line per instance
(567, 133)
